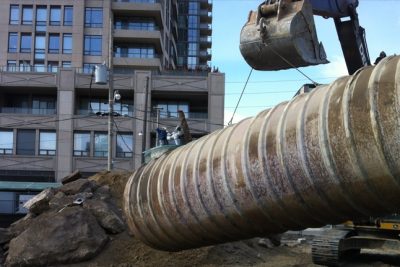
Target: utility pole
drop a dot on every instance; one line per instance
(110, 95)
(144, 136)
(157, 122)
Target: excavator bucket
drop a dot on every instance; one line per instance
(281, 35)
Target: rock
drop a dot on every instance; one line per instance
(21, 225)
(105, 215)
(72, 177)
(40, 202)
(5, 236)
(103, 192)
(60, 200)
(2, 256)
(78, 186)
(72, 235)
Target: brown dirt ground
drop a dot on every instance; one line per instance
(124, 250)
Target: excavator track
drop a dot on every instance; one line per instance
(325, 248)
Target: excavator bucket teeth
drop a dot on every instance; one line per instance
(281, 35)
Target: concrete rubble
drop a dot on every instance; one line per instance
(69, 224)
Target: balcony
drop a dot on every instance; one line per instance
(205, 55)
(206, 4)
(16, 110)
(205, 16)
(141, 8)
(133, 60)
(205, 29)
(140, 36)
(205, 42)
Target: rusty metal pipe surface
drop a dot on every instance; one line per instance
(321, 158)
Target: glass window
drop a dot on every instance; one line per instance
(47, 143)
(124, 145)
(26, 43)
(11, 65)
(12, 42)
(27, 15)
(41, 18)
(54, 43)
(93, 17)
(92, 45)
(52, 66)
(55, 15)
(26, 142)
(66, 64)
(24, 65)
(82, 144)
(68, 15)
(39, 67)
(6, 142)
(40, 45)
(14, 14)
(67, 43)
(44, 105)
(100, 145)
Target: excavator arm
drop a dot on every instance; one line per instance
(281, 34)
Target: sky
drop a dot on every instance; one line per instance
(380, 18)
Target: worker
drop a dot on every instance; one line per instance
(162, 136)
(177, 135)
(381, 56)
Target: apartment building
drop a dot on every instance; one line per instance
(51, 110)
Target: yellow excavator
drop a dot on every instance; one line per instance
(280, 35)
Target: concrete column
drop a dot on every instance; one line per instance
(216, 98)
(65, 108)
(139, 105)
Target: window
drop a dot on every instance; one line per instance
(93, 17)
(12, 42)
(24, 65)
(47, 143)
(100, 145)
(135, 51)
(44, 105)
(66, 64)
(11, 66)
(92, 45)
(100, 105)
(82, 144)
(171, 108)
(54, 43)
(67, 43)
(55, 15)
(89, 67)
(39, 66)
(26, 142)
(14, 14)
(41, 18)
(26, 43)
(135, 23)
(68, 15)
(7, 141)
(40, 45)
(27, 15)
(124, 145)
(52, 66)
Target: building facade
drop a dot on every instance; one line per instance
(52, 113)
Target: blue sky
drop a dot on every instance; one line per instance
(380, 18)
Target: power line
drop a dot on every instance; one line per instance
(244, 88)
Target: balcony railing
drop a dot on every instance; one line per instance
(189, 115)
(137, 28)
(137, 1)
(34, 111)
(135, 55)
(47, 152)
(6, 151)
(81, 153)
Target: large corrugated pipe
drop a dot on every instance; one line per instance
(321, 158)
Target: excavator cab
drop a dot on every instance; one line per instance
(281, 35)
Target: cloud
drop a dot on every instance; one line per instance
(336, 68)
